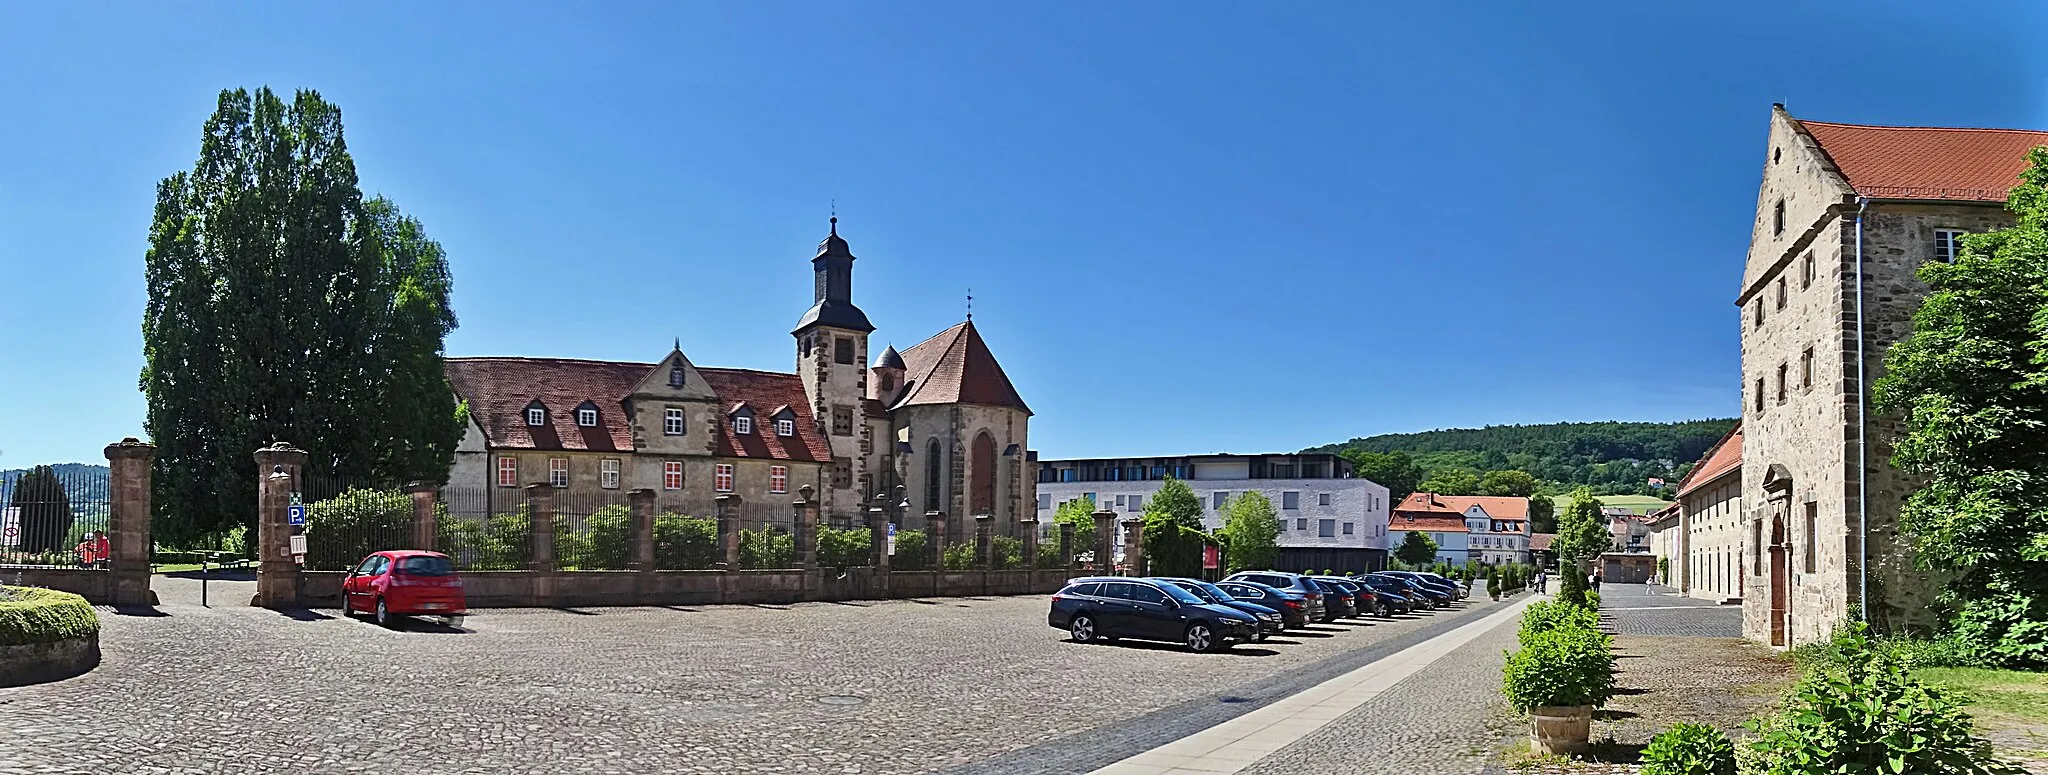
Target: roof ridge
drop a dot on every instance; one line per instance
(541, 359)
(1927, 128)
(740, 369)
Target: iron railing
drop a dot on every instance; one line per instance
(55, 516)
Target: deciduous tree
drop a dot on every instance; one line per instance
(1509, 483)
(1179, 502)
(1451, 481)
(1417, 549)
(1250, 532)
(1581, 532)
(1079, 512)
(43, 511)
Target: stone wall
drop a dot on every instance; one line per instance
(525, 589)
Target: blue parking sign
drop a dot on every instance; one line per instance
(297, 514)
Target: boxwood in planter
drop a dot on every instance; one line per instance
(1560, 668)
(36, 615)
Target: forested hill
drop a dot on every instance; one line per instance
(1612, 457)
(83, 482)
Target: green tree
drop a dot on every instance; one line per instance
(1542, 514)
(1395, 471)
(1250, 532)
(1417, 549)
(1172, 548)
(1972, 383)
(1508, 484)
(280, 306)
(44, 511)
(1079, 512)
(1451, 481)
(1581, 532)
(1178, 501)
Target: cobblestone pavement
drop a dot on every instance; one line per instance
(932, 684)
(1642, 609)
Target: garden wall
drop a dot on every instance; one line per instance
(96, 586)
(527, 589)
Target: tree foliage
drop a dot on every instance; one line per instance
(1581, 532)
(1079, 512)
(44, 512)
(284, 306)
(1509, 484)
(1610, 457)
(1250, 532)
(1171, 547)
(1178, 501)
(1972, 383)
(1416, 549)
(1542, 514)
(1394, 470)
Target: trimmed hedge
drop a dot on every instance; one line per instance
(36, 615)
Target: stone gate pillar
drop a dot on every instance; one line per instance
(727, 507)
(277, 477)
(1134, 545)
(540, 511)
(641, 503)
(1105, 542)
(806, 530)
(1066, 545)
(984, 538)
(936, 520)
(1029, 526)
(128, 464)
(424, 496)
(878, 542)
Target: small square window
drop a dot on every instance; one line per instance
(1347, 528)
(672, 422)
(1948, 244)
(536, 417)
(1044, 501)
(608, 473)
(721, 479)
(842, 350)
(1290, 500)
(672, 475)
(785, 427)
(1218, 498)
(1137, 503)
(1322, 499)
(778, 479)
(1326, 528)
(558, 471)
(1301, 524)
(508, 472)
(742, 425)
(586, 418)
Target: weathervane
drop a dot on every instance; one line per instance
(970, 304)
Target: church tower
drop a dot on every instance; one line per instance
(831, 359)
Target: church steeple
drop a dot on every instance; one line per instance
(832, 271)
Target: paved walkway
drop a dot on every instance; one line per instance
(1651, 609)
(1340, 727)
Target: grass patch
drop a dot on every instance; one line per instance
(1640, 504)
(2010, 695)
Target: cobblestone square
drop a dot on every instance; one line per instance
(926, 685)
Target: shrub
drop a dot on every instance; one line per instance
(1561, 667)
(840, 549)
(767, 548)
(502, 542)
(1009, 552)
(1049, 555)
(1545, 616)
(36, 615)
(958, 556)
(348, 527)
(2011, 627)
(1690, 749)
(1593, 599)
(1492, 585)
(1571, 589)
(1866, 713)
(913, 551)
(604, 543)
(685, 543)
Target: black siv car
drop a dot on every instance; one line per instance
(1269, 619)
(1293, 606)
(1111, 607)
(1322, 607)
(1427, 597)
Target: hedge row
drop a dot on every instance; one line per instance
(35, 615)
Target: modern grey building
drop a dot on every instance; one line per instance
(1329, 518)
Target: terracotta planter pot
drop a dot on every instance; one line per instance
(1560, 729)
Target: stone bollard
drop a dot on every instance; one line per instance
(424, 495)
(128, 521)
(984, 541)
(1029, 527)
(727, 508)
(277, 477)
(1105, 542)
(641, 503)
(1067, 545)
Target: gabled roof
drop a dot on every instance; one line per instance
(1720, 460)
(499, 389)
(1540, 542)
(1912, 162)
(1428, 523)
(956, 367)
(1496, 507)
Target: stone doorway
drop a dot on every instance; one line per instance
(1781, 591)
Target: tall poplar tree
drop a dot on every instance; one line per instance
(284, 307)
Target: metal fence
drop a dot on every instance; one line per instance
(593, 530)
(482, 529)
(346, 521)
(55, 516)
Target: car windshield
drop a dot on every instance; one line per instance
(1174, 591)
(1221, 594)
(425, 565)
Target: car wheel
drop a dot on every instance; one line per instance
(1200, 638)
(383, 614)
(1082, 628)
(346, 613)
(1383, 610)
(452, 621)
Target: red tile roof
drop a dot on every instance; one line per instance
(956, 367)
(1910, 162)
(1496, 507)
(499, 389)
(1725, 456)
(1426, 522)
(1540, 542)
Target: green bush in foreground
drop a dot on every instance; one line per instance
(1544, 616)
(1690, 749)
(36, 615)
(1563, 667)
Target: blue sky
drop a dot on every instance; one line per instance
(1189, 227)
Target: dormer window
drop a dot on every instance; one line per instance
(586, 415)
(536, 416)
(743, 424)
(675, 376)
(785, 427)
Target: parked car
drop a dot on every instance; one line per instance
(1433, 582)
(1463, 589)
(1322, 609)
(404, 582)
(1363, 597)
(1269, 619)
(1429, 598)
(1293, 606)
(1394, 594)
(1111, 607)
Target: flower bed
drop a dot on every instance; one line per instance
(45, 635)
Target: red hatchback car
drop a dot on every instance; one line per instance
(404, 582)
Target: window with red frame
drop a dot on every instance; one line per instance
(722, 478)
(508, 472)
(778, 478)
(672, 475)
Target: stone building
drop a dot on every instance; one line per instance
(1845, 216)
(1492, 530)
(1706, 561)
(1329, 517)
(940, 418)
